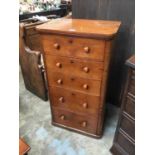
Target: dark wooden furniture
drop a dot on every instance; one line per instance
(124, 47)
(31, 62)
(124, 141)
(23, 147)
(77, 56)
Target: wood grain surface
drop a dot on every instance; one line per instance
(23, 147)
(78, 27)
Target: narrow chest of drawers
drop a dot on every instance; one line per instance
(77, 57)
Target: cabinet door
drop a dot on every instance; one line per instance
(33, 76)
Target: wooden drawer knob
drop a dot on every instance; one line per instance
(58, 64)
(85, 105)
(86, 69)
(62, 117)
(85, 86)
(61, 99)
(59, 81)
(84, 124)
(86, 49)
(56, 46)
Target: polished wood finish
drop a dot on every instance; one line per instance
(89, 28)
(31, 62)
(74, 47)
(77, 102)
(124, 141)
(82, 122)
(23, 147)
(77, 65)
(87, 86)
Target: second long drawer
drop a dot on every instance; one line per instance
(76, 67)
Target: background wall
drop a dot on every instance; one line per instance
(124, 11)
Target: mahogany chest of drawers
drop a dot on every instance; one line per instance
(77, 56)
(124, 141)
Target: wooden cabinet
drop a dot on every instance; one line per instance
(77, 57)
(31, 62)
(124, 141)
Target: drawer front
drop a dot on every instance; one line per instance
(129, 106)
(69, 119)
(73, 83)
(131, 88)
(74, 101)
(128, 126)
(74, 47)
(76, 67)
(125, 143)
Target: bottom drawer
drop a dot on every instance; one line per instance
(126, 144)
(80, 122)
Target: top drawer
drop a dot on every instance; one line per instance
(74, 47)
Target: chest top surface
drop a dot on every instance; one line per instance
(81, 27)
